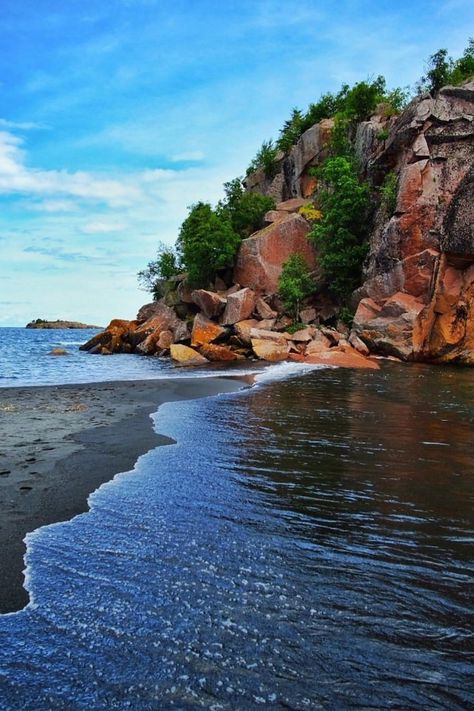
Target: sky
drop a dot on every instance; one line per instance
(117, 115)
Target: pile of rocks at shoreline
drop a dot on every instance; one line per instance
(229, 325)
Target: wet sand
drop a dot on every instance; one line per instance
(60, 443)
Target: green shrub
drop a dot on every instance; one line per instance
(163, 267)
(463, 68)
(383, 134)
(442, 69)
(207, 242)
(346, 315)
(245, 210)
(265, 159)
(388, 193)
(341, 234)
(326, 107)
(295, 284)
(291, 131)
(362, 99)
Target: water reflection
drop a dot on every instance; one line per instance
(303, 546)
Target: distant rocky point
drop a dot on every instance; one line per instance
(42, 323)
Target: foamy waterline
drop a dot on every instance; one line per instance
(163, 425)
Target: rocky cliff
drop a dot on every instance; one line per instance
(416, 301)
(417, 298)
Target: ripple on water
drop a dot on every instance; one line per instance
(289, 550)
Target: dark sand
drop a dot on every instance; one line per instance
(60, 443)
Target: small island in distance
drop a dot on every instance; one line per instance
(59, 323)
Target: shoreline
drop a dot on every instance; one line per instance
(59, 443)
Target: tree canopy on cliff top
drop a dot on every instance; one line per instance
(358, 103)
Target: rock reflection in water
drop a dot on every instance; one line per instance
(303, 546)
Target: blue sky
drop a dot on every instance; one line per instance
(117, 115)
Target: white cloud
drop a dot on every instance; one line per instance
(93, 228)
(17, 177)
(188, 156)
(23, 125)
(54, 206)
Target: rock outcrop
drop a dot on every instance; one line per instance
(158, 332)
(262, 255)
(42, 323)
(416, 301)
(417, 298)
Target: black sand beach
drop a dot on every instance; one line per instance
(60, 443)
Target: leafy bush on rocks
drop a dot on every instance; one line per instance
(441, 69)
(341, 235)
(207, 242)
(265, 159)
(245, 210)
(295, 284)
(157, 270)
(388, 193)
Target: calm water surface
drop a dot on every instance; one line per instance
(306, 544)
(25, 360)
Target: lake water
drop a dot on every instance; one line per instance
(25, 360)
(306, 544)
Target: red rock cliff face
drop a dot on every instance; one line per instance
(417, 301)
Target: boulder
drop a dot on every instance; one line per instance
(333, 335)
(274, 216)
(112, 339)
(303, 336)
(58, 352)
(210, 303)
(267, 324)
(270, 350)
(349, 358)
(243, 328)
(205, 331)
(159, 316)
(181, 332)
(292, 205)
(186, 356)
(444, 330)
(390, 331)
(219, 353)
(240, 306)
(308, 315)
(264, 310)
(358, 344)
(149, 345)
(318, 343)
(274, 336)
(261, 257)
(185, 292)
(283, 322)
(165, 340)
